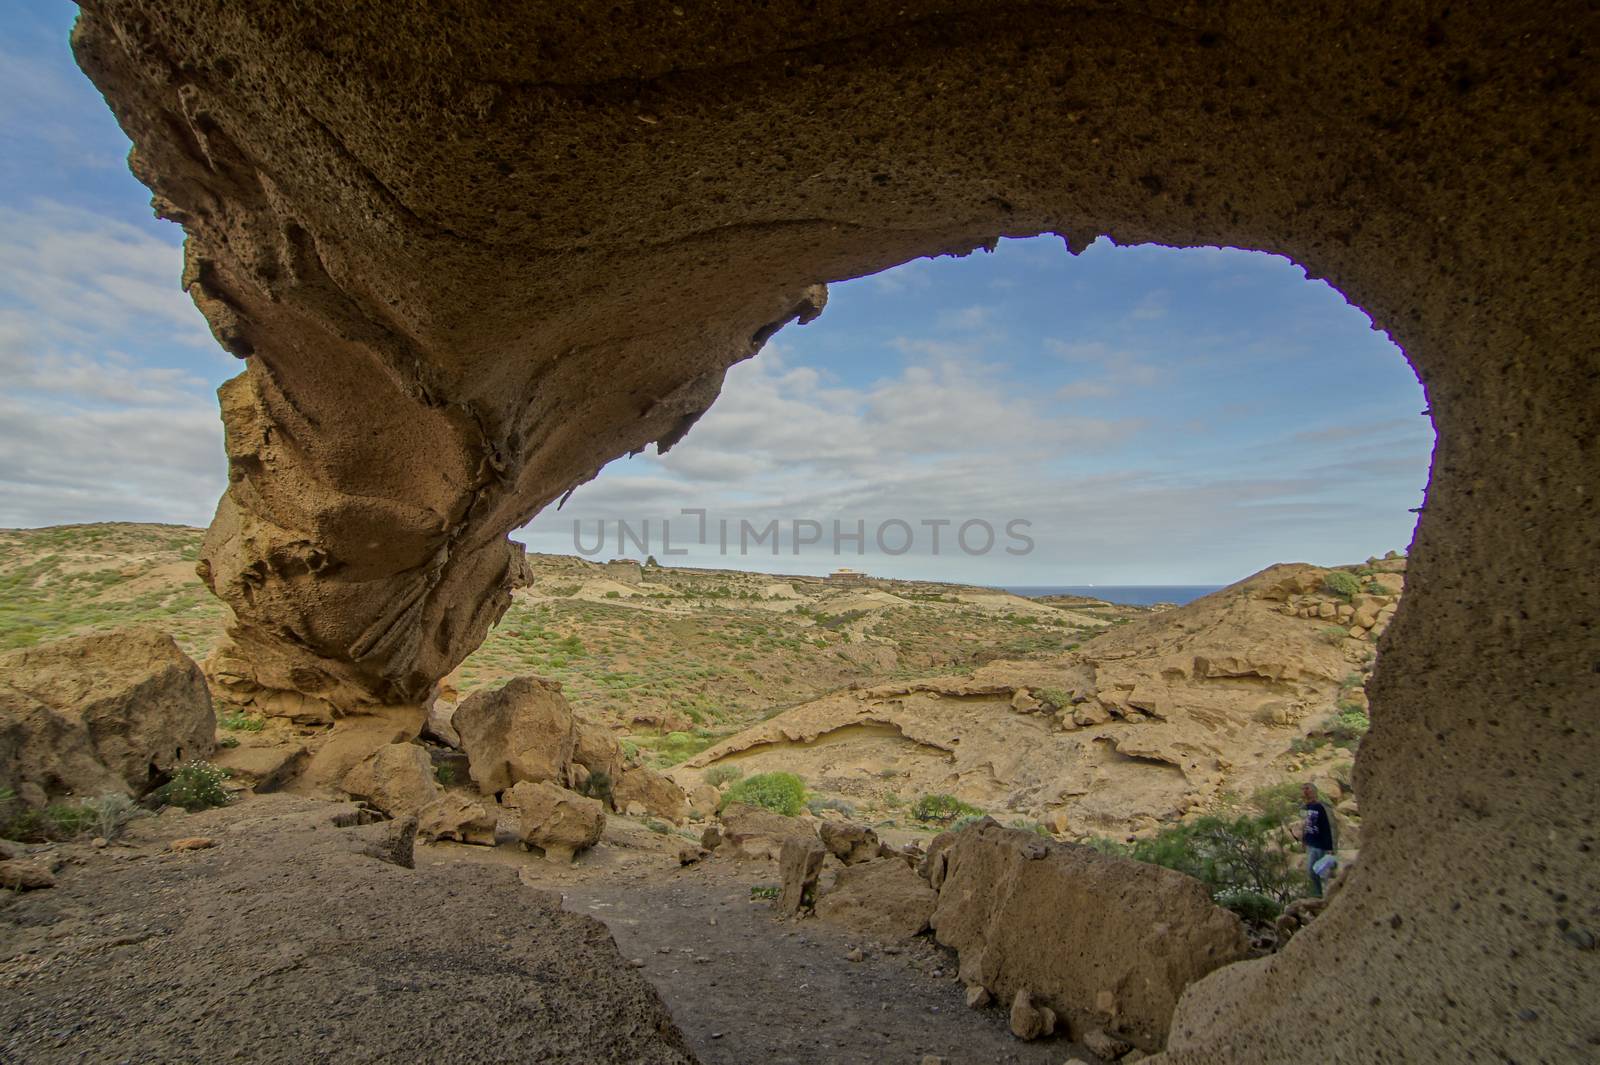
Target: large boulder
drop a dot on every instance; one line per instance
(599, 753)
(659, 796)
(397, 779)
(883, 898)
(522, 731)
(1103, 941)
(98, 714)
(557, 821)
(799, 864)
(755, 832)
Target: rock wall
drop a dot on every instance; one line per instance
(1105, 942)
(469, 256)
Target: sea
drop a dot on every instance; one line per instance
(1126, 594)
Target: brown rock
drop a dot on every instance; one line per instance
(1030, 1021)
(559, 822)
(703, 801)
(1104, 1046)
(454, 816)
(1142, 929)
(397, 779)
(441, 712)
(978, 997)
(192, 843)
(688, 853)
(93, 715)
(25, 876)
(657, 795)
(850, 843)
(1024, 702)
(596, 749)
(799, 863)
(883, 898)
(521, 731)
(759, 833)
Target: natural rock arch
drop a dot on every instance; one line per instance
(473, 256)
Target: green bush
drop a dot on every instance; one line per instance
(658, 827)
(195, 786)
(943, 809)
(1247, 852)
(719, 775)
(763, 891)
(1251, 906)
(1345, 585)
(445, 774)
(598, 786)
(242, 722)
(782, 793)
(1347, 726)
(818, 804)
(1056, 697)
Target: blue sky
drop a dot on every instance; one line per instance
(1155, 415)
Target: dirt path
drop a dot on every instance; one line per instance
(746, 988)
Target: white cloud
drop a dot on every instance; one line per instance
(99, 418)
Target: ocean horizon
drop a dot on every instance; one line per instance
(1125, 594)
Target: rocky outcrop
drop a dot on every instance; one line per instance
(444, 332)
(559, 822)
(1125, 938)
(397, 779)
(883, 898)
(522, 731)
(93, 715)
(596, 749)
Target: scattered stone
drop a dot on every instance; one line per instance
(854, 954)
(1105, 1045)
(689, 853)
(99, 843)
(192, 843)
(978, 997)
(636, 963)
(711, 838)
(438, 726)
(934, 1059)
(25, 876)
(653, 793)
(1030, 1022)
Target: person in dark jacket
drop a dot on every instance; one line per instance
(1316, 833)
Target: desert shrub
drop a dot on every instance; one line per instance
(1347, 726)
(818, 804)
(111, 813)
(660, 828)
(613, 595)
(1334, 634)
(228, 741)
(1345, 585)
(241, 722)
(58, 821)
(1056, 697)
(598, 786)
(1115, 848)
(445, 774)
(1031, 826)
(719, 775)
(1247, 852)
(763, 891)
(1251, 906)
(943, 809)
(195, 786)
(782, 793)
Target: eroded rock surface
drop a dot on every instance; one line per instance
(92, 715)
(557, 821)
(522, 731)
(471, 257)
(1102, 941)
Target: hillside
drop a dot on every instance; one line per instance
(1186, 709)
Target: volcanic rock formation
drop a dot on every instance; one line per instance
(470, 255)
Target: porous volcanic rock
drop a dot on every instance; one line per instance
(883, 898)
(659, 796)
(850, 843)
(799, 864)
(557, 821)
(92, 715)
(454, 816)
(469, 257)
(523, 730)
(755, 832)
(1138, 931)
(397, 779)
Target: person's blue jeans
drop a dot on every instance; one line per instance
(1313, 856)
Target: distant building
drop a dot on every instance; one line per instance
(847, 576)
